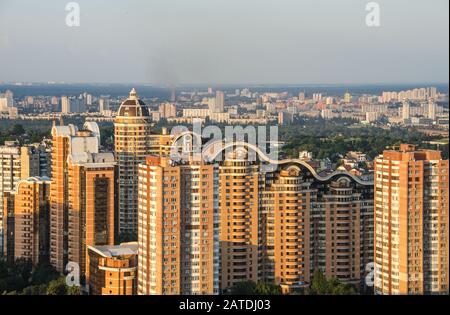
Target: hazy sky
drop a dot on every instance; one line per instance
(225, 41)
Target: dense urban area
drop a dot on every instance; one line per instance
(90, 191)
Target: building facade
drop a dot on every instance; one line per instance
(132, 145)
(26, 223)
(81, 195)
(239, 191)
(178, 228)
(17, 163)
(411, 222)
(280, 225)
(113, 269)
(277, 225)
(90, 205)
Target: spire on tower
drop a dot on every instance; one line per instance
(133, 94)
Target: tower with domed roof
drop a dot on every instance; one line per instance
(132, 144)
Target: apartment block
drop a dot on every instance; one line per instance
(132, 145)
(239, 193)
(411, 222)
(309, 222)
(178, 228)
(279, 225)
(285, 231)
(90, 205)
(26, 221)
(82, 195)
(17, 163)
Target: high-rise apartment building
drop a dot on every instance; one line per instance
(308, 222)
(317, 97)
(219, 102)
(341, 230)
(167, 110)
(411, 222)
(132, 142)
(285, 230)
(103, 104)
(113, 269)
(347, 97)
(301, 97)
(26, 221)
(432, 108)
(17, 163)
(6, 101)
(406, 110)
(81, 196)
(178, 228)
(239, 185)
(279, 226)
(276, 225)
(90, 184)
(65, 105)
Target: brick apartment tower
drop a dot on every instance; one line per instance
(16, 163)
(308, 222)
(239, 182)
(411, 222)
(91, 205)
(285, 231)
(81, 195)
(27, 221)
(178, 228)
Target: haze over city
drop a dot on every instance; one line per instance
(224, 42)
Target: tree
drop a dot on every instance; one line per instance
(73, 290)
(252, 288)
(18, 130)
(263, 288)
(57, 287)
(23, 268)
(243, 288)
(35, 290)
(321, 286)
(319, 283)
(44, 273)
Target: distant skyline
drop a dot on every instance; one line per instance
(204, 42)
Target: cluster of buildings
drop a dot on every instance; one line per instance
(7, 105)
(201, 227)
(420, 94)
(243, 107)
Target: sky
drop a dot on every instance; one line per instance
(175, 42)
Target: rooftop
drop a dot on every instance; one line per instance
(133, 107)
(111, 251)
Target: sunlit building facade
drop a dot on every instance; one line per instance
(178, 228)
(239, 185)
(132, 145)
(81, 195)
(113, 269)
(90, 205)
(411, 222)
